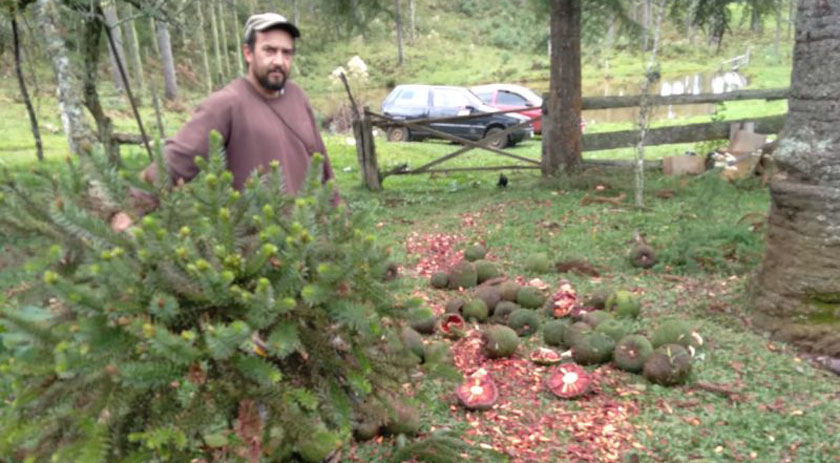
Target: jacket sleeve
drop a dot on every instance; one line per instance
(194, 139)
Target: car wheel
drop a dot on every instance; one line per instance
(498, 143)
(398, 134)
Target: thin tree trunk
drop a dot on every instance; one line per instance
(398, 23)
(796, 290)
(154, 33)
(689, 21)
(225, 49)
(79, 135)
(646, 25)
(91, 34)
(33, 121)
(651, 76)
(216, 51)
(295, 11)
(613, 21)
(412, 21)
(791, 17)
(562, 143)
(111, 21)
(755, 21)
(137, 63)
(170, 81)
(202, 42)
(237, 41)
(777, 38)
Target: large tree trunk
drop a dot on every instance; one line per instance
(562, 143)
(33, 121)
(111, 21)
(79, 135)
(796, 291)
(170, 82)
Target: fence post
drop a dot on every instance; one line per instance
(366, 151)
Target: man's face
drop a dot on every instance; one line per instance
(270, 62)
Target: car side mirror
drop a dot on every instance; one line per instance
(529, 104)
(471, 108)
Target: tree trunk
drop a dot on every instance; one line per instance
(398, 23)
(755, 21)
(796, 291)
(225, 49)
(611, 30)
(214, 26)
(202, 42)
(412, 29)
(90, 39)
(79, 135)
(152, 30)
(778, 36)
(33, 120)
(137, 62)
(646, 25)
(651, 77)
(562, 139)
(237, 42)
(170, 82)
(111, 21)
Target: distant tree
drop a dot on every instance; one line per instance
(79, 135)
(398, 24)
(117, 52)
(796, 292)
(33, 120)
(167, 61)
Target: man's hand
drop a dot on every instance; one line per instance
(121, 222)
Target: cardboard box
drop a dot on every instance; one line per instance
(682, 165)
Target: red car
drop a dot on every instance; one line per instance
(509, 96)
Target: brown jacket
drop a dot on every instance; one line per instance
(256, 131)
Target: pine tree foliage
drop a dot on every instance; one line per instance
(149, 340)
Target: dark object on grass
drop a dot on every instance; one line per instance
(578, 266)
(642, 256)
(525, 322)
(503, 181)
(669, 365)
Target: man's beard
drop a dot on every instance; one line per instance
(268, 84)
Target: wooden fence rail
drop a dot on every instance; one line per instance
(629, 101)
(372, 177)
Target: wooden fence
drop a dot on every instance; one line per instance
(372, 177)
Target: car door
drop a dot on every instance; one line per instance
(506, 99)
(450, 102)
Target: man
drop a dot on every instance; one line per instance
(262, 116)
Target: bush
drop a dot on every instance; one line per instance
(217, 306)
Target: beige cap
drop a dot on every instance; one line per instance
(261, 22)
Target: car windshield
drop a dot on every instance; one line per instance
(530, 95)
(450, 97)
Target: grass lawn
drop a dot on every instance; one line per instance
(771, 404)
